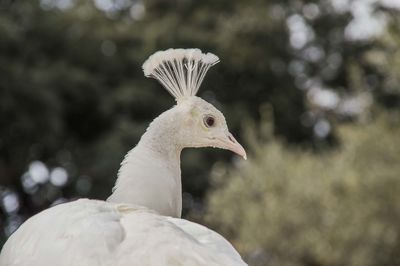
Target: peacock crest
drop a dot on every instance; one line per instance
(180, 71)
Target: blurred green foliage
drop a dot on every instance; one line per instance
(290, 206)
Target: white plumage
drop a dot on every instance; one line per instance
(180, 71)
(90, 232)
(140, 222)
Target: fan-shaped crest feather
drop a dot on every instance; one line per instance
(180, 71)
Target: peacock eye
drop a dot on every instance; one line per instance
(209, 121)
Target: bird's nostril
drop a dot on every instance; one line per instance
(231, 139)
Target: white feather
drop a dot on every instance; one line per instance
(97, 233)
(180, 71)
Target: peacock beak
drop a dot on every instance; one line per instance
(230, 143)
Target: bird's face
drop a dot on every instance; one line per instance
(205, 126)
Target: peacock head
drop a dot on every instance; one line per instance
(181, 72)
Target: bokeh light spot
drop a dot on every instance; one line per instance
(137, 11)
(38, 172)
(59, 176)
(322, 128)
(10, 202)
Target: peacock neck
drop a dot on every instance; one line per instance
(150, 174)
